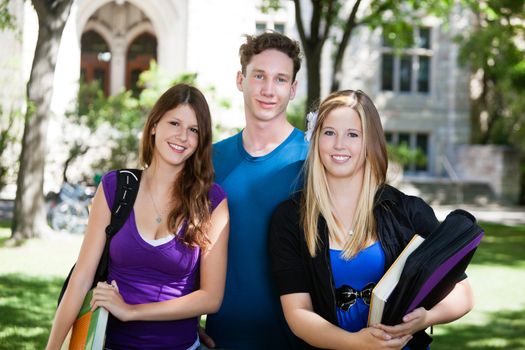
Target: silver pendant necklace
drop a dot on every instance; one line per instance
(158, 219)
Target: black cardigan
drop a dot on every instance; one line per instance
(398, 217)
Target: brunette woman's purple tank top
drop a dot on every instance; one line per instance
(145, 274)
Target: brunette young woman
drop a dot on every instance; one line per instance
(167, 263)
(343, 231)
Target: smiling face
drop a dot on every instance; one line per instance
(341, 145)
(176, 136)
(267, 85)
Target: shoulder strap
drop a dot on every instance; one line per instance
(128, 181)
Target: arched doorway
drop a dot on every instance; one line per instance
(141, 51)
(95, 60)
(126, 30)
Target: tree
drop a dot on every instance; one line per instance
(493, 51)
(7, 139)
(7, 21)
(338, 19)
(114, 123)
(29, 212)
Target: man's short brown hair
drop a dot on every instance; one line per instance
(270, 40)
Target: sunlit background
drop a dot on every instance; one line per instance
(447, 77)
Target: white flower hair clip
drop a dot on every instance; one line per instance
(311, 120)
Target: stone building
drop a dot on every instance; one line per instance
(421, 92)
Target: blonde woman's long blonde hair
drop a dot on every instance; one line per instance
(316, 198)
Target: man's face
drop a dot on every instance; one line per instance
(268, 85)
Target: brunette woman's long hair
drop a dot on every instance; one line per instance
(190, 202)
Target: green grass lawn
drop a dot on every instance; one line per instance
(497, 275)
(31, 276)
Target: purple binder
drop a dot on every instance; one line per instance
(434, 268)
(442, 271)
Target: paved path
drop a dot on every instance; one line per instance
(490, 213)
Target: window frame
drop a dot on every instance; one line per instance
(415, 53)
(393, 138)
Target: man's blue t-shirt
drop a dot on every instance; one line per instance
(251, 316)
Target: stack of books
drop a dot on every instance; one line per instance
(427, 270)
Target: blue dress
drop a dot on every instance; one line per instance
(368, 266)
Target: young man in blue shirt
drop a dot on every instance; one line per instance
(258, 168)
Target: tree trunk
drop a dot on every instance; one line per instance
(337, 72)
(313, 63)
(521, 200)
(29, 213)
(76, 151)
(313, 46)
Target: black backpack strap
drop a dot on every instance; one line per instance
(128, 181)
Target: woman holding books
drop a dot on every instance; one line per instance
(331, 243)
(167, 263)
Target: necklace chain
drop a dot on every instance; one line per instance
(158, 219)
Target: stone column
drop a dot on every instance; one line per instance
(118, 65)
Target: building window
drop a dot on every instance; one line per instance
(405, 73)
(423, 74)
(141, 51)
(422, 146)
(416, 160)
(260, 27)
(263, 26)
(277, 19)
(95, 60)
(407, 70)
(387, 72)
(279, 27)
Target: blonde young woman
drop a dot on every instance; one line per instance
(167, 263)
(341, 233)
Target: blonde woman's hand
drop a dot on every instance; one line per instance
(373, 338)
(412, 323)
